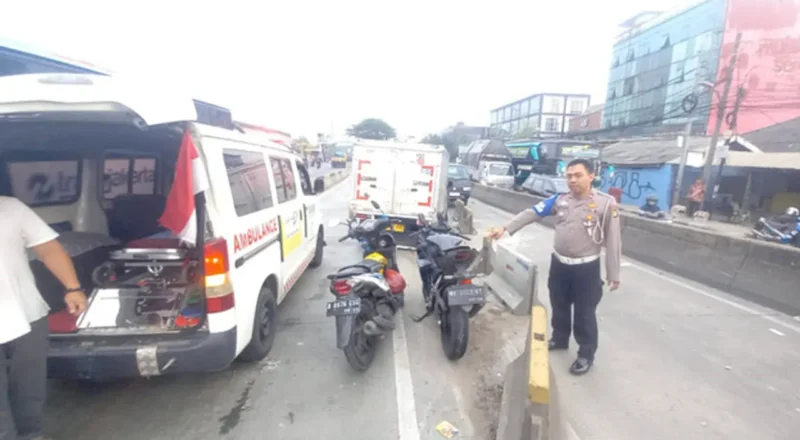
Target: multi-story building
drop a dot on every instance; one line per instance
(545, 114)
(656, 62)
(663, 58)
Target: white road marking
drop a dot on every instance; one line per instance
(407, 426)
(777, 332)
(571, 434)
(718, 298)
(469, 428)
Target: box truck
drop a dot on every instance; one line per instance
(405, 179)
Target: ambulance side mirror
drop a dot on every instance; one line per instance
(319, 185)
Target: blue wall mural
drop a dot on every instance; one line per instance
(638, 183)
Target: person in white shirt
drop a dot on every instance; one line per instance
(23, 316)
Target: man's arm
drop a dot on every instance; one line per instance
(542, 209)
(40, 237)
(613, 243)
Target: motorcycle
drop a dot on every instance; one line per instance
(445, 263)
(368, 293)
(778, 230)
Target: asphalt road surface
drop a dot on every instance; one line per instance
(305, 389)
(676, 360)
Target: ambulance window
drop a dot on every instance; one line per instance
(249, 180)
(51, 180)
(305, 180)
(284, 179)
(128, 175)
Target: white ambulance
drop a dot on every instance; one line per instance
(406, 179)
(95, 157)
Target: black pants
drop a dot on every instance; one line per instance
(23, 381)
(693, 207)
(582, 287)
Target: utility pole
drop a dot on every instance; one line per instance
(723, 101)
(676, 193)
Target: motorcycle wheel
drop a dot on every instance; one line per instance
(455, 333)
(362, 348)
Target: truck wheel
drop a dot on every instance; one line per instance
(319, 252)
(264, 326)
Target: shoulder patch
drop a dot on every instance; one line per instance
(545, 207)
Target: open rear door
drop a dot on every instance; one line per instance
(90, 97)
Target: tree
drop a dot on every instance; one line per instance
(301, 144)
(433, 139)
(372, 129)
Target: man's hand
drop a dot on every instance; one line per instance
(495, 233)
(76, 302)
(613, 285)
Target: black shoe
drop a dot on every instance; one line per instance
(581, 366)
(553, 345)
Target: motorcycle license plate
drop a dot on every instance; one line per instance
(399, 227)
(454, 194)
(344, 307)
(465, 295)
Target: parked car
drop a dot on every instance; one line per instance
(459, 185)
(545, 186)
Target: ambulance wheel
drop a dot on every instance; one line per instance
(264, 326)
(320, 251)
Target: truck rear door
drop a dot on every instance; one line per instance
(374, 175)
(417, 179)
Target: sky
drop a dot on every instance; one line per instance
(306, 66)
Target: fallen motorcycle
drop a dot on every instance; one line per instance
(784, 230)
(368, 293)
(445, 262)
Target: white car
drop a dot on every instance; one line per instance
(96, 158)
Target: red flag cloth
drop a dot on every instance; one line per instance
(180, 215)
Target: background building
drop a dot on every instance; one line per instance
(657, 61)
(589, 121)
(546, 114)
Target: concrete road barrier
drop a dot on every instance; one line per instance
(764, 273)
(335, 176)
(513, 278)
(464, 218)
(528, 408)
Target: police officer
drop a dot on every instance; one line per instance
(586, 220)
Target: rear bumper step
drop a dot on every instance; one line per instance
(105, 358)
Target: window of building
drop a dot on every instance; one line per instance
(627, 87)
(576, 106)
(284, 179)
(551, 124)
(630, 56)
(526, 107)
(249, 181)
(554, 105)
(536, 105)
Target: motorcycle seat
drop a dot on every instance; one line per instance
(360, 268)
